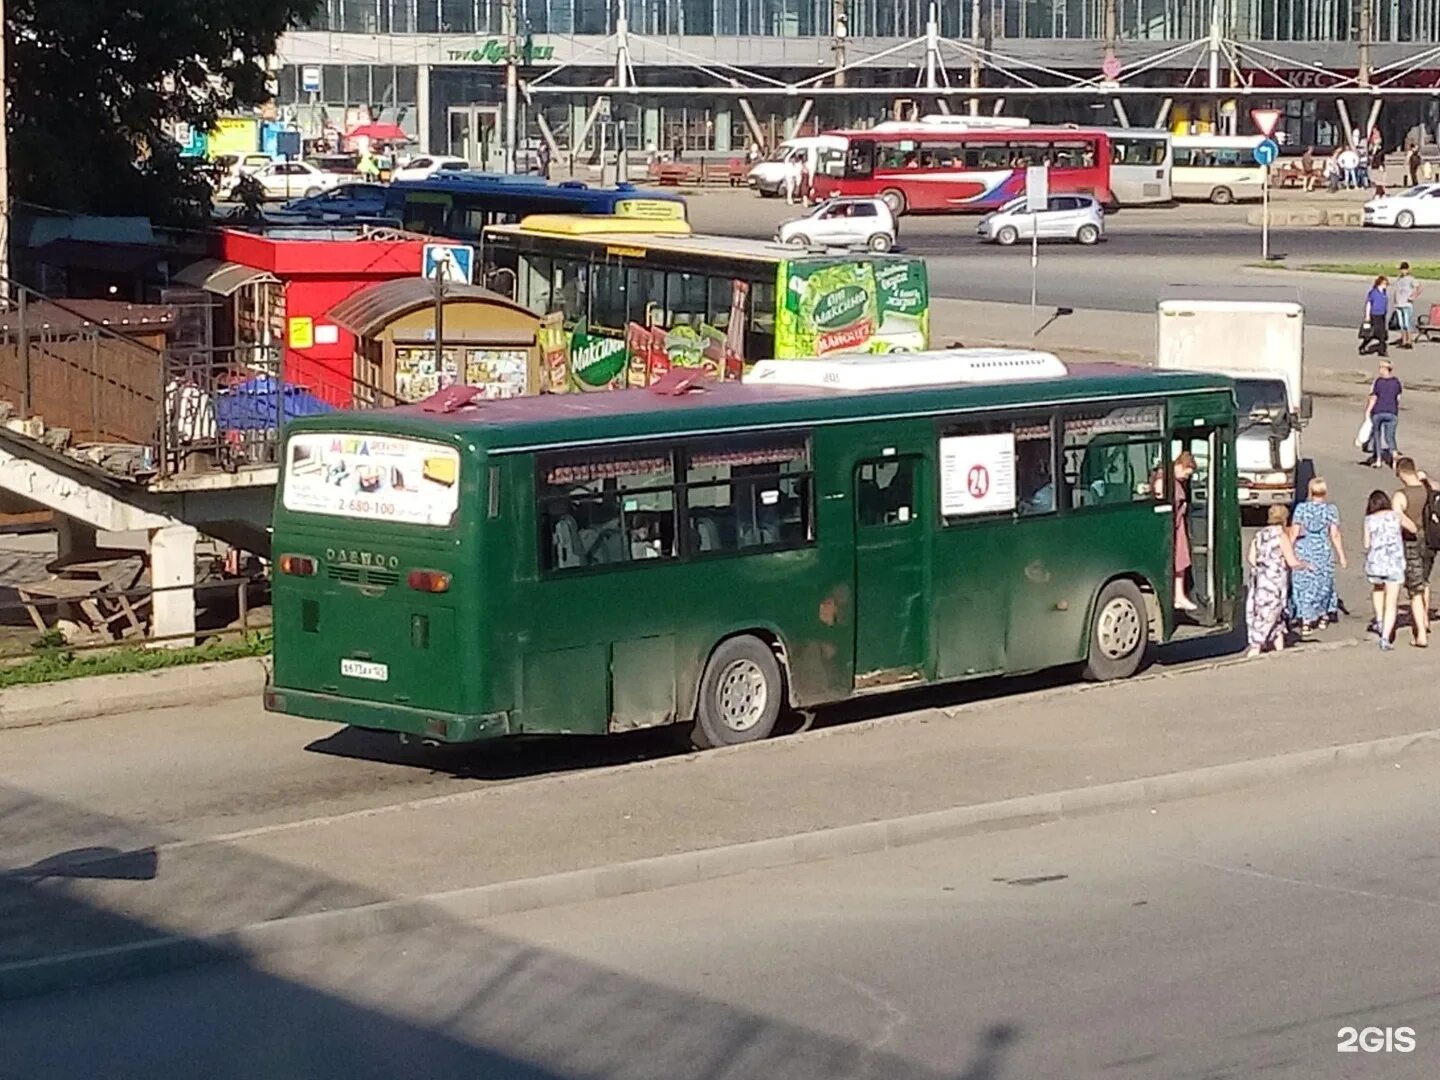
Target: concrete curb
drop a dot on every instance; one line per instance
(109, 695)
(161, 955)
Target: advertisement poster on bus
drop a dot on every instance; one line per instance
(597, 361)
(374, 477)
(840, 306)
(554, 354)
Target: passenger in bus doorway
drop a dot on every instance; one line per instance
(1184, 469)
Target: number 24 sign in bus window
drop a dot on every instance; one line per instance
(376, 477)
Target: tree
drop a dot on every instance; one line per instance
(94, 84)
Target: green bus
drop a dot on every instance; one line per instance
(624, 300)
(462, 569)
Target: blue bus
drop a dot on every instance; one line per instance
(459, 205)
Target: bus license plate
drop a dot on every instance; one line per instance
(364, 669)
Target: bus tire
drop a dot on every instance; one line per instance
(1119, 633)
(1405, 220)
(741, 694)
(1087, 235)
(1007, 236)
(895, 200)
(880, 242)
(1222, 196)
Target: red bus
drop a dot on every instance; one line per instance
(953, 168)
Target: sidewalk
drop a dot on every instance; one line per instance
(1332, 366)
(1168, 735)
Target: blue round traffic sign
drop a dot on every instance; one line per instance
(1267, 152)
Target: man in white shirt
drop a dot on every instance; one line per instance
(1349, 162)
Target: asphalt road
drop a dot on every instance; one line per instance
(1147, 252)
(1231, 936)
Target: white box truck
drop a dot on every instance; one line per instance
(1261, 345)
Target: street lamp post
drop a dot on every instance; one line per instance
(4, 170)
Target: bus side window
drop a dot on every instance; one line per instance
(1110, 457)
(607, 299)
(534, 288)
(748, 494)
(603, 509)
(646, 289)
(685, 297)
(572, 289)
(760, 334)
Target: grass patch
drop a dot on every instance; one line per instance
(1429, 271)
(53, 661)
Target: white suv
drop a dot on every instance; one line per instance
(842, 223)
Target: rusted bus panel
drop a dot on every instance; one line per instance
(103, 390)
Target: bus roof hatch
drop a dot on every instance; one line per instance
(895, 371)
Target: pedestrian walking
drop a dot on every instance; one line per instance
(1332, 172)
(1410, 502)
(1404, 290)
(1271, 559)
(1382, 409)
(1319, 544)
(1384, 564)
(542, 159)
(1375, 329)
(1412, 165)
(793, 178)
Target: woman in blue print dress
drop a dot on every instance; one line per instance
(1313, 600)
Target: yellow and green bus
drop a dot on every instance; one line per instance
(463, 569)
(624, 300)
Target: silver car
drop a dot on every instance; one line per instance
(1067, 217)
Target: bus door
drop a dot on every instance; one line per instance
(891, 575)
(1201, 526)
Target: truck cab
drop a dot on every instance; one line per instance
(1260, 343)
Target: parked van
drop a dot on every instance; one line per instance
(1217, 168)
(768, 177)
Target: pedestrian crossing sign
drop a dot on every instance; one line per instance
(453, 263)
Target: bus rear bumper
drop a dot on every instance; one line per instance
(403, 720)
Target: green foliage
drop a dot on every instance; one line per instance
(53, 661)
(93, 83)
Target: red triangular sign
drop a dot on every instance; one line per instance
(1265, 120)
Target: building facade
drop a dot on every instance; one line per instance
(437, 67)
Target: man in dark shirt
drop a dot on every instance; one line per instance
(1383, 411)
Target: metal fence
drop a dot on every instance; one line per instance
(191, 406)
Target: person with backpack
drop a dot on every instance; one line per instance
(1313, 600)
(1413, 503)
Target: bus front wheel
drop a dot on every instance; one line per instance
(741, 694)
(1222, 196)
(1120, 633)
(895, 200)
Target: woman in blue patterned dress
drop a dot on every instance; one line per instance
(1272, 557)
(1312, 589)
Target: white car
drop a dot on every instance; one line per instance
(293, 179)
(425, 166)
(842, 223)
(1066, 217)
(1419, 205)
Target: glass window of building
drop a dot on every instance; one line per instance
(427, 16)
(592, 17)
(457, 16)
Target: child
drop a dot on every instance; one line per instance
(1384, 564)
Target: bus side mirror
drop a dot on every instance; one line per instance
(1307, 407)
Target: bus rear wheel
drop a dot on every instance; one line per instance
(741, 694)
(1222, 196)
(895, 200)
(1119, 634)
